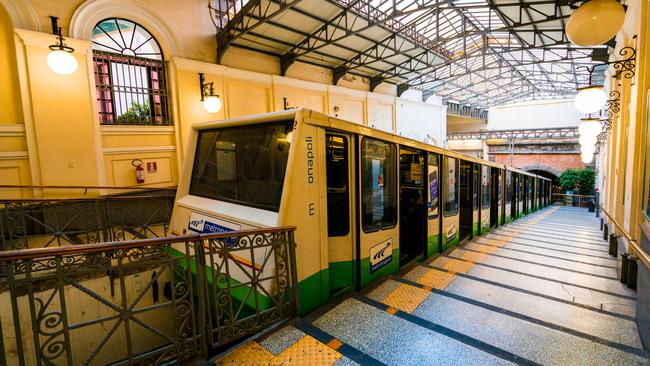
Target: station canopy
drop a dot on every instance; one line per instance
(477, 53)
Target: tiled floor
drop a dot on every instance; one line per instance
(541, 290)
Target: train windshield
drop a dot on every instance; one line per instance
(244, 165)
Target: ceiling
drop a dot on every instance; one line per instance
(477, 53)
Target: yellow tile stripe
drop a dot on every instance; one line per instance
(436, 279)
(307, 351)
(487, 249)
(251, 353)
(406, 298)
(457, 266)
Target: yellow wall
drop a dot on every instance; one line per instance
(625, 181)
(59, 141)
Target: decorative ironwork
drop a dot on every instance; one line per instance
(626, 66)
(57, 222)
(613, 105)
(216, 288)
(539, 133)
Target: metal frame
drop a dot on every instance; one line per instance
(539, 133)
(481, 53)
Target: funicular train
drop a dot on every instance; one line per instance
(365, 202)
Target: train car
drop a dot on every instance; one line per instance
(365, 202)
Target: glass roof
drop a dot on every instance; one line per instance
(473, 52)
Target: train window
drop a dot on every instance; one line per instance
(379, 201)
(508, 187)
(338, 200)
(485, 186)
(432, 211)
(450, 191)
(244, 165)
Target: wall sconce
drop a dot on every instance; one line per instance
(60, 58)
(211, 101)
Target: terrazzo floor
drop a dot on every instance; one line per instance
(541, 290)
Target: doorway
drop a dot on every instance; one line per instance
(494, 197)
(413, 205)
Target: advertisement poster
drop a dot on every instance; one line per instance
(433, 191)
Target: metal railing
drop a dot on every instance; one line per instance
(149, 301)
(636, 246)
(35, 223)
(578, 200)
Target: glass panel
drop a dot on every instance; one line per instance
(485, 186)
(338, 200)
(244, 165)
(450, 192)
(475, 187)
(433, 209)
(379, 200)
(125, 37)
(508, 187)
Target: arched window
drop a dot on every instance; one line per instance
(130, 75)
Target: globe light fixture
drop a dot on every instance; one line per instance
(595, 22)
(590, 99)
(211, 101)
(589, 127)
(587, 140)
(60, 58)
(587, 157)
(588, 149)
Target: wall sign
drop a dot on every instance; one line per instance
(152, 167)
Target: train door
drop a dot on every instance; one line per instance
(413, 205)
(450, 209)
(340, 209)
(520, 195)
(465, 184)
(476, 218)
(433, 209)
(508, 193)
(494, 197)
(485, 199)
(377, 243)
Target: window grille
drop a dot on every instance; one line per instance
(130, 75)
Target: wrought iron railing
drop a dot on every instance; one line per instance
(578, 200)
(150, 301)
(35, 223)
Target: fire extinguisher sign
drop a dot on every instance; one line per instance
(152, 167)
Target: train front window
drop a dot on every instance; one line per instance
(244, 165)
(378, 172)
(450, 192)
(485, 186)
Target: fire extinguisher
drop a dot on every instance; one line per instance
(139, 170)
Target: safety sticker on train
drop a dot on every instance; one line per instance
(209, 225)
(381, 255)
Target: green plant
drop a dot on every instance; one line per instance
(137, 114)
(581, 180)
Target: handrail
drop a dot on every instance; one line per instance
(638, 249)
(10, 255)
(83, 199)
(14, 186)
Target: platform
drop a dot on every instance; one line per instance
(541, 290)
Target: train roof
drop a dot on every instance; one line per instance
(321, 119)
